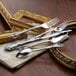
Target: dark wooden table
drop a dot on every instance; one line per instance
(44, 65)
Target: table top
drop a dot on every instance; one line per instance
(44, 65)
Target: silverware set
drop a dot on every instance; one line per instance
(54, 35)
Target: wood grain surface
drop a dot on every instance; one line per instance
(45, 65)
